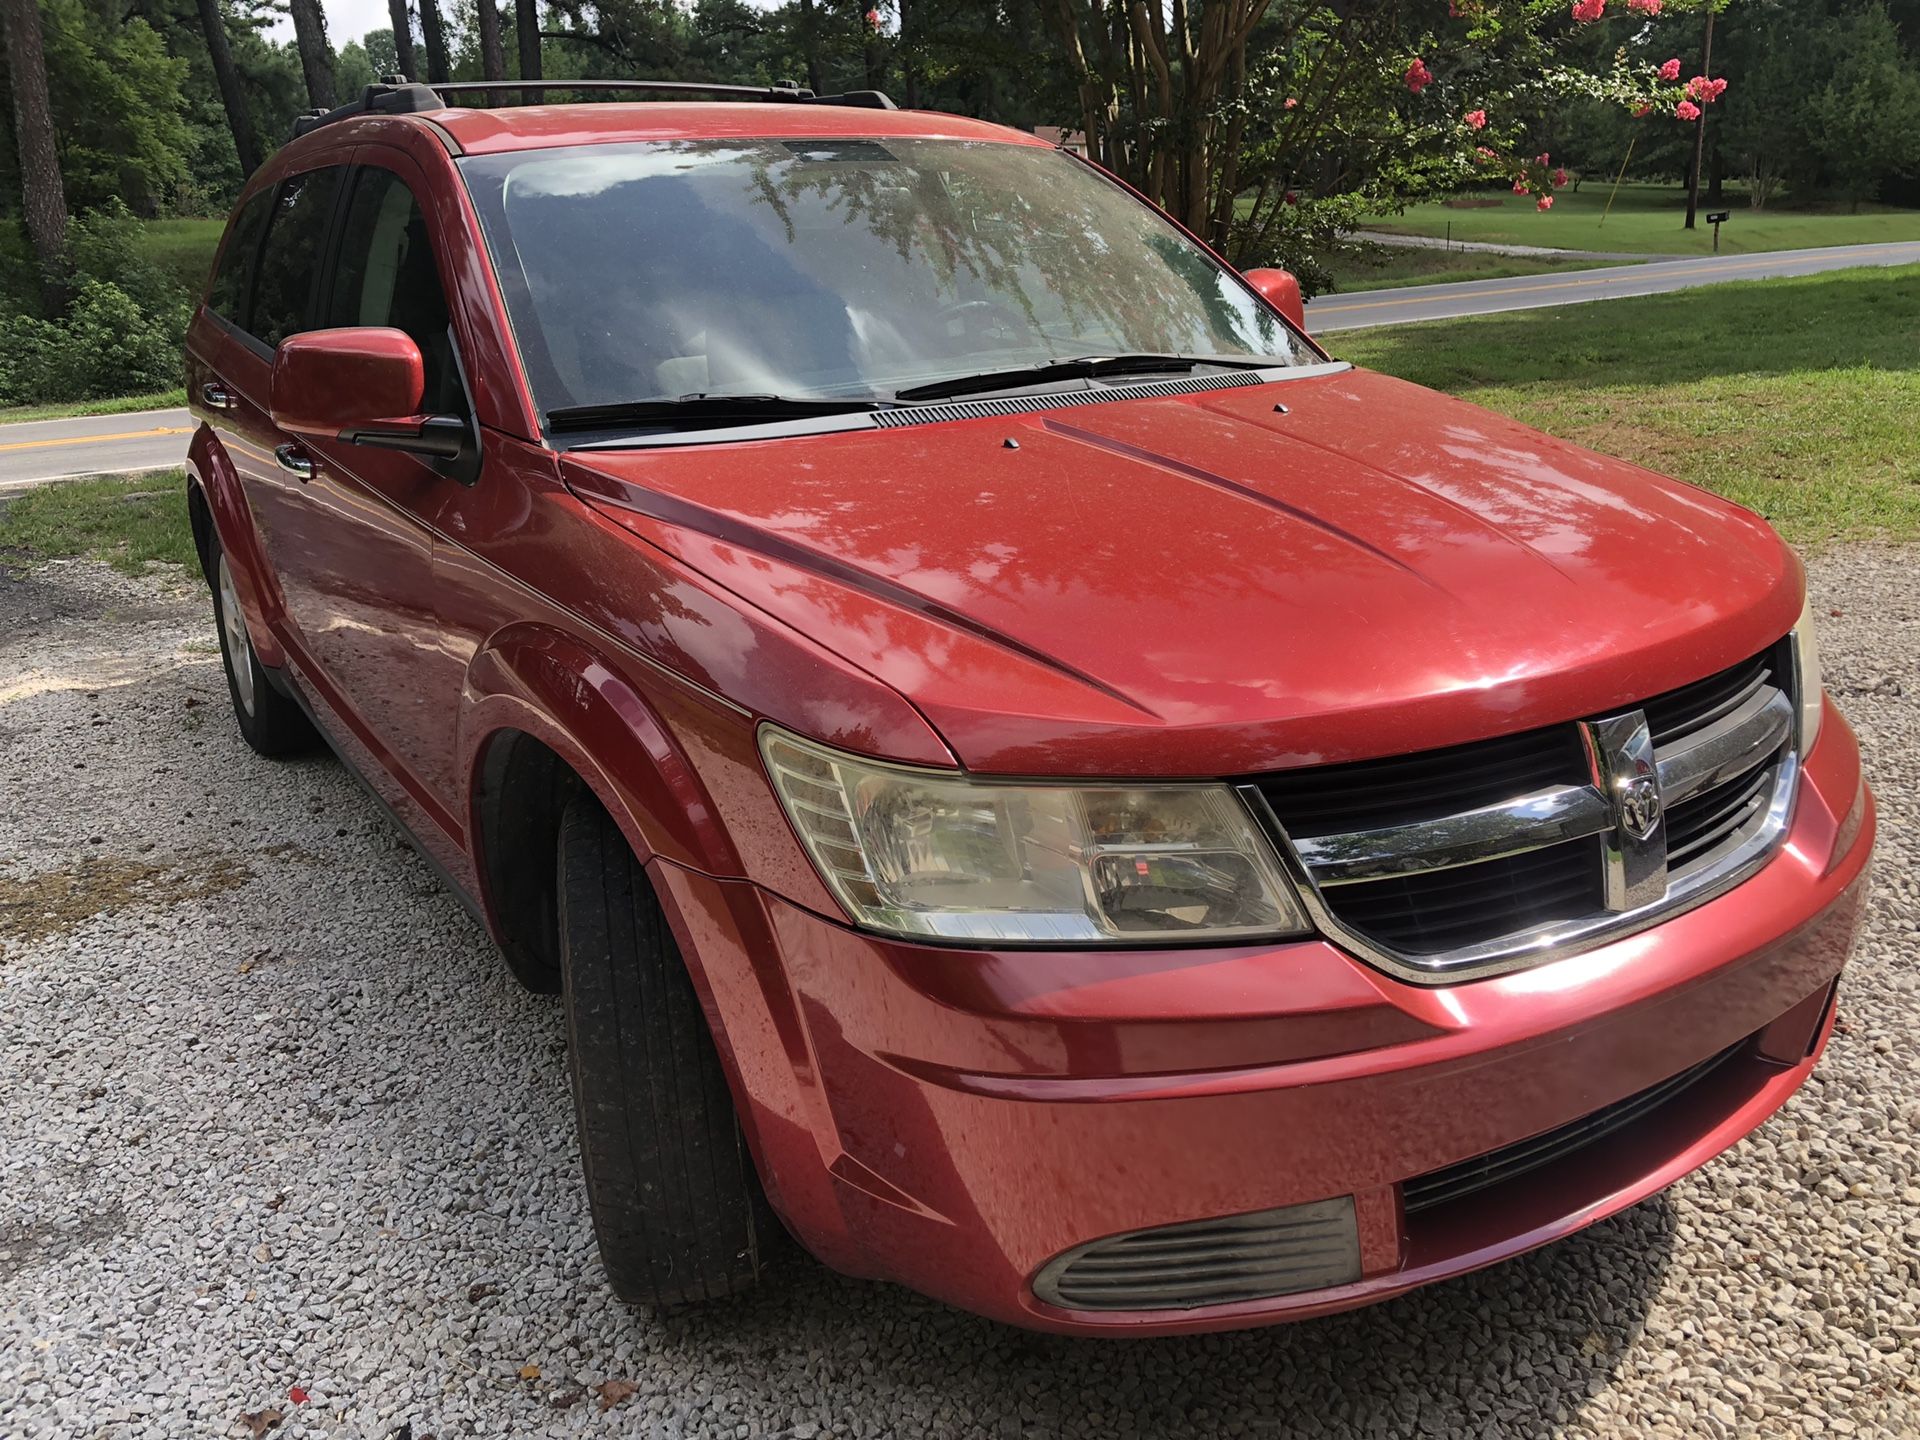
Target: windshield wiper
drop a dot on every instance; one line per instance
(1081, 367)
(690, 412)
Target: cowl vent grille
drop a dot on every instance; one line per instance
(1064, 400)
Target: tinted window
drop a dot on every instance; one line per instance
(283, 293)
(386, 276)
(228, 297)
(838, 268)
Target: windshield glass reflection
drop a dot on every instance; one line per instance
(838, 268)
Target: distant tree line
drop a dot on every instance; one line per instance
(1823, 104)
(1270, 127)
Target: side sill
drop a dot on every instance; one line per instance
(284, 683)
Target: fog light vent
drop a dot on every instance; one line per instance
(1209, 1262)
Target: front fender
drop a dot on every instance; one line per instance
(534, 679)
(211, 471)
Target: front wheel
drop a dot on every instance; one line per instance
(270, 722)
(676, 1206)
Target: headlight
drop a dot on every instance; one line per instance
(1806, 664)
(925, 854)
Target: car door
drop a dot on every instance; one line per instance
(361, 591)
(281, 300)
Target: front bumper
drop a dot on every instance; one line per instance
(954, 1119)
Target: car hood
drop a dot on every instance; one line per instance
(1322, 568)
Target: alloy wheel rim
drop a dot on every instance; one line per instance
(233, 622)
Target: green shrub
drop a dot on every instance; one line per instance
(119, 334)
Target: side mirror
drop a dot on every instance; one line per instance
(1281, 291)
(363, 386)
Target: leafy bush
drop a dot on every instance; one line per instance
(121, 329)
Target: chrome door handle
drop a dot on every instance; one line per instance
(218, 397)
(292, 457)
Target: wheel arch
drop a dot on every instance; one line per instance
(545, 718)
(217, 510)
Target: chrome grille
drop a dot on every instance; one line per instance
(1503, 853)
(1209, 1262)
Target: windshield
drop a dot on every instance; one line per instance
(838, 269)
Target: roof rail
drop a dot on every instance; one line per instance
(398, 96)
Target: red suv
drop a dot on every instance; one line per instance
(1022, 767)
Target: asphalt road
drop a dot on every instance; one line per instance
(43, 450)
(1573, 287)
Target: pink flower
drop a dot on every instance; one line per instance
(1640, 111)
(1418, 76)
(873, 19)
(1520, 186)
(1588, 10)
(1487, 157)
(1293, 103)
(1545, 202)
(1543, 158)
(1671, 70)
(1560, 178)
(1476, 119)
(1650, 7)
(1687, 110)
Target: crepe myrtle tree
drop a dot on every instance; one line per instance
(1269, 127)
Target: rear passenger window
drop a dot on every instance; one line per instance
(283, 295)
(386, 276)
(228, 297)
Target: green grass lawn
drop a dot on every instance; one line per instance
(1647, 219)
(127, 520)
(1397, 268)
(183, 248)
(1799, 398)
(120, 405)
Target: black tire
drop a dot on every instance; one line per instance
(676, 1206)
(272, 723)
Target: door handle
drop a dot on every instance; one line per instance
(216, 396)
(292, 457)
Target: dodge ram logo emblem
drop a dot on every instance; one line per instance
(1640, 806)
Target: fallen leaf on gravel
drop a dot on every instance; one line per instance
(612, 1392)
(566, 1399)
(529, 1372)
(259, 1422)
(479, 1292)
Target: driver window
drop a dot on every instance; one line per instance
(386, 276)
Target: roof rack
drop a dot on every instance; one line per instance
(399, 96)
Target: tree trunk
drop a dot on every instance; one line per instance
(909, 77)
(43, 201)
(526, 19)
(404, 57)
(316, 55)
(493, 60)
(436, 39)
(809, 46)
(1700, 130)
(246, 144)
(873, 55)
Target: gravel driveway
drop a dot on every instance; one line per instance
(277, 1123)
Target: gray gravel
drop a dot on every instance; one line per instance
(276, 1117)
